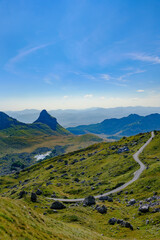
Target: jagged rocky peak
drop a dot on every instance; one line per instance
(47, 119)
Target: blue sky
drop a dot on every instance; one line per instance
(79, 54)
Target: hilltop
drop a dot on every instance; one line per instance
(45, 124)
(126, 126)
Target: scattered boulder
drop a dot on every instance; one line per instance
(110, 199)
(155, 210)
(147, 221)
(38, 192)
(76, 179)
(57, 205)
(119, 221)
(106, 198)
(131, 202)
(49, 183)
(22, 193)
(144, 208)
(123, 149)
(101, 209)
(127, 225)
(112, 221)
(88, 201)
(33, 197)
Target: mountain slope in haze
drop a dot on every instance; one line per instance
(75, 117)
(127, 126)
(51, 122)
(6, 121)
(45, 124)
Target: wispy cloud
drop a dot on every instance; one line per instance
(50, 78)
(106, 77)
(140, 90)
(23, 53)
(88, 96)
(48, 81)
(120, 80)
(126, 75)
(145, 58)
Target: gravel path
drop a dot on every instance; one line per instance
(136, 176)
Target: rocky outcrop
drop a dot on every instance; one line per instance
(101, 209)
(57, 205)
(88, 201)
(144, 208)
(33, 197)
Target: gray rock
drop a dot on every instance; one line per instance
(88, 201)
(106, 198)
(101, 209)
(128, 225)
(38, 192)
(57, 205)
(144, 208)
(33, 197)
(131, 202)
(119, 221)
(22, 193)
(155, 210)
(112, 221)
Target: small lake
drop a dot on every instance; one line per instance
(42, 156)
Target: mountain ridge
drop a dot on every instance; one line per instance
(75, 117)
(126, 126)
(45, 124)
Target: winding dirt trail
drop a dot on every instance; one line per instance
(136, 176)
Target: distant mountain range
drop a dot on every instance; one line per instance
(126, 126)
(72, 118)
(45, 124)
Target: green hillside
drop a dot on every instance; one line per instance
(90, 171)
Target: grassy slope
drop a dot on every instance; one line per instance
(77, 222)
(29, 144)
(19, 221)
(100, 166)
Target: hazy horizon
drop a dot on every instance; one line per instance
(79, 54)
(61, 109)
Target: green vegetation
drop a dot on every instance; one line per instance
(24, 148)
(94, 170)
(101, 168)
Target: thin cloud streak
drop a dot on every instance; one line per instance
(10, 65)
(145, 58)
